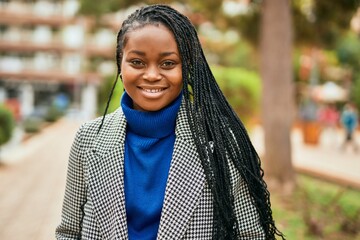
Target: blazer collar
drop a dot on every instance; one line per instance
(185, 182)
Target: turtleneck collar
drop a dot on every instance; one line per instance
(156, 124)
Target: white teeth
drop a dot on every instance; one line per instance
(152, 90)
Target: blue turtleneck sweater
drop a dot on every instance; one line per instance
(149, 145)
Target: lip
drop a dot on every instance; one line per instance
(153, 91)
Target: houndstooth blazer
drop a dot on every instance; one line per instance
(94, 201)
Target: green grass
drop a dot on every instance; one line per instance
(318, 210)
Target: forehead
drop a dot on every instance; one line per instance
(149, 34)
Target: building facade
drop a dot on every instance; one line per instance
(47, 51)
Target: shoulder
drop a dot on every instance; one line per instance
(89, 132)
(108, 123)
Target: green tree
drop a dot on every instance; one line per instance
(6, 125)
(348, 52)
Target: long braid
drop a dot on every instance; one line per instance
(108, 102)
(212, 120)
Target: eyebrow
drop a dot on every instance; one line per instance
(163, 54)
(137, 52)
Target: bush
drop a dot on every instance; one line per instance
(32, 124)
(53, 114)
(6, 125)
(241, 88)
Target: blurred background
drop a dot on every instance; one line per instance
(290, 69)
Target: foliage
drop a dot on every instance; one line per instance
(53, 114)
(104, 93)
(348, 50)
(317, 22)
(6, 125)
(239, 54)
(355, 92)
(319, 210)
(241, 88)
(106, 6)
(323, 21)
(32, 124)
(248, 24)
(89, 8)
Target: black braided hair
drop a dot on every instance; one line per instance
(212, 121)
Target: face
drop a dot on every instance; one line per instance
(151, 68)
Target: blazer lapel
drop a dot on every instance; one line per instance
(185, 184)
(106, 178)
(184, 187)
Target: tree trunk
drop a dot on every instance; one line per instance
(277, 93)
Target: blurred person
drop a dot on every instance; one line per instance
(173, 161)
(328, 117)
(349, 120)
(61, 101)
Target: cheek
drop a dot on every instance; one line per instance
(127, 73)
(179, 81)
(128, 84)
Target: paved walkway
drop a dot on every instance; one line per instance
(32, 178)
(32, 184)
(327, 160)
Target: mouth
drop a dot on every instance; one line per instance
(152, 90)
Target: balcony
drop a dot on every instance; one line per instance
(58, 47)
(50, 76)
(15, 18)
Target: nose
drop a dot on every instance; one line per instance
(152, 73)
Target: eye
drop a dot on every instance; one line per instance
(168, 64)
(137, 63)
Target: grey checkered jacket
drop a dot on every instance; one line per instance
(94, 202)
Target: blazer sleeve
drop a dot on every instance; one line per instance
(75, 193)
(245, 211)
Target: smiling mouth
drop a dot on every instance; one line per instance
(153, 90)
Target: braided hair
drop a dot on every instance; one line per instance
(212, 122)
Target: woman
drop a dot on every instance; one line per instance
(174, 161)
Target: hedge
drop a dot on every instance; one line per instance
(241, 88)
(6, 125)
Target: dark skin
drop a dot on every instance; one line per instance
(151, 68)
